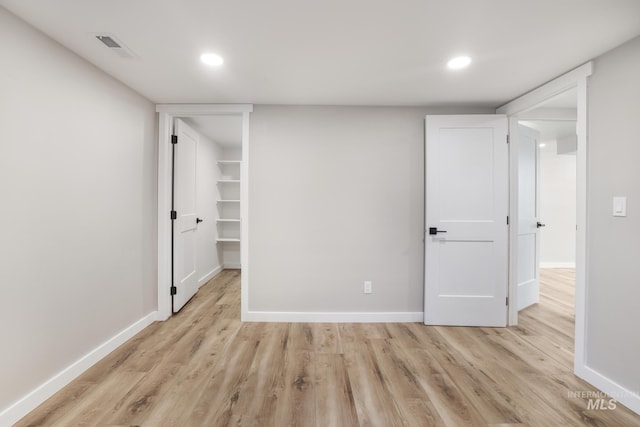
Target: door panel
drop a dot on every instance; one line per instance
(476, 282)
(528, 237)
(467, 199)
(185, 225)
(466, 183)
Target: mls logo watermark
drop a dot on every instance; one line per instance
(601, 404)
(598, 400)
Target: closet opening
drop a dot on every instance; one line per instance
(202, 199)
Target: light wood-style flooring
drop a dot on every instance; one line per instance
(203, 367)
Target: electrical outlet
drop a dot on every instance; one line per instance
(368, 287)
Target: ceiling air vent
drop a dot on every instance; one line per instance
(110, 41)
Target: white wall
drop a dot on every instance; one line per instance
(336, 198)
(613, 288)
(208, 260)
(78, 220)
(557, 207)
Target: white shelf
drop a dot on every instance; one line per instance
(225, 166)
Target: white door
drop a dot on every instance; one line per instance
(466, 236)
(184, 225)
(528, 237)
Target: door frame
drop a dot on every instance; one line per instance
(576, 78)
(166, 114)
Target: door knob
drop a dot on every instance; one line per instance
(198, 220)
(434, 230)
(539, 224)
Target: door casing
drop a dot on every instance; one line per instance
(576, 78)
(166, 115)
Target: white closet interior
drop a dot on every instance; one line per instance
(218, 188)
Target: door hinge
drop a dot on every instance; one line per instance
(173, 290)
(507, 138)
(174, 139)
(174, 215)
(507, 219)
(507, 300)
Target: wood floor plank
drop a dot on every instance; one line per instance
(371, 394)
(100, 401)
(60, 404)
(482, 395)
(180, 398)
(445, 395)
(265, 379)
(298, 397)
(204, 367)
(216, 408)
(327, 338)
(403, 386)
(335, 405)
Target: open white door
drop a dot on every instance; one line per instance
(466, 252)
(528, 291)
(185, 222)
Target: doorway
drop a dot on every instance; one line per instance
(547, 226)
(221, 191)
(546, 193)
(517, 110)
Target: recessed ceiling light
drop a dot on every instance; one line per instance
(459, 62)
(212, 59)
(542, 145)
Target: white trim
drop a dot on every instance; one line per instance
(550, 114)
(164, 223)
(233, 266)
(244, 218)
(573, 79)
(210, 275)
(203, 109)
(334, 317)
(557, 265)
(582, 243)
(512, 291)
(556, 86)
(628, 398)
(166, 113)
(33, 399)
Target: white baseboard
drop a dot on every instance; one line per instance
(232, 265)
(331, 317)
(210, 275)
(30, 401)
(557, 265)
(627, 397)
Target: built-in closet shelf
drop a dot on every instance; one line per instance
(228, 181)
(223, 240)
(229, 162)
(228, 201)
(227, 220)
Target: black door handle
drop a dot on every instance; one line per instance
(539, 224)
(198, 220)
(434, 231)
